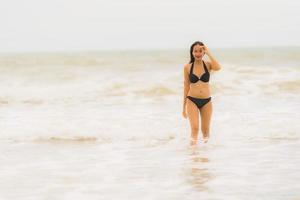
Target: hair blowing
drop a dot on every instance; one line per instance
(192, 48)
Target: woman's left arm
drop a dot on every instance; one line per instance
(214, 65)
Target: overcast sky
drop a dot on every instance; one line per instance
(57, 25)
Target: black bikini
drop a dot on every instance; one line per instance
(194, 79)
(204, 77)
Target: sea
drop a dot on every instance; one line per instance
(108, 125)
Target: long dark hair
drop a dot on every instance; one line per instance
(192, 48)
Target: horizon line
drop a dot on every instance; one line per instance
(142, 49)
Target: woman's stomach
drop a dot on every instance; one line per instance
(199, 90)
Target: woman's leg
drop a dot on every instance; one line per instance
(193, 115)
(206, 112)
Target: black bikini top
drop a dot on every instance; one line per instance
(204, 77)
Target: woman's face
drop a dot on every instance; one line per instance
(198, 52)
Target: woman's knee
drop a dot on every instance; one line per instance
(195, 129)
(205, 129)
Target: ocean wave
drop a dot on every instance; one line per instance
(155, 91)
(121, 89)
(289, 86)
(69, 139)
(148, 141)
(3, 101)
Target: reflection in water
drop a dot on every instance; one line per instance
(197, 173)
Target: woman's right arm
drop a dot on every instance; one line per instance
(186, 85)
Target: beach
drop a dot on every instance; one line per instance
(108, 125)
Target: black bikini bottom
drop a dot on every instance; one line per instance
(199, 102)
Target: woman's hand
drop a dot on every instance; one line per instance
(184, 114)
(214, 65)
(206, 51)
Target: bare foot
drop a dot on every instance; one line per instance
(193, 142)
(205, 139)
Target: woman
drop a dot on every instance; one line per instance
(196, 98)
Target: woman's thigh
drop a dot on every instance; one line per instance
(193, 114)
(206, 113)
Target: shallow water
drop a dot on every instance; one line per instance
(108, 125)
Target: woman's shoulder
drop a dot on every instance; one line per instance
(187, 66)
